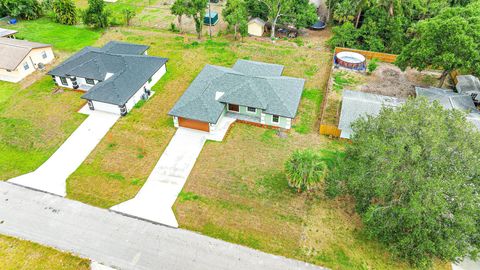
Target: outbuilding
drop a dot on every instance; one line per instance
(115, 77)
(256, 27)
(211, 18)
(7, 33)
(20, 58)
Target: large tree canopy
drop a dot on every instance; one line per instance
(414, 174)
(65, 11)
(383, 25)
(449, 41)
(96, 15)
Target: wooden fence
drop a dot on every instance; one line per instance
(383, 57)
(330, 130)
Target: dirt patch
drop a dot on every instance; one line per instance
(389, 80)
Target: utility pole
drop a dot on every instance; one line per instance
(210, 18)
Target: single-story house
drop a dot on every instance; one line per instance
(114, 77)
(20, 58)
(253, 92)
(357, 104)
(451, 100)
(7, 33)
(256, 27)
(211, 18)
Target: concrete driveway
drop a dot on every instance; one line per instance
(155, 200)
(52, 175)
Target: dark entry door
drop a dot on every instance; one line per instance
(233, 107)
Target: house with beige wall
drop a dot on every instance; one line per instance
(20, 58)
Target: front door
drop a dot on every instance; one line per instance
(233, 108)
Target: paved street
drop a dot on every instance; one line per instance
(120, 241)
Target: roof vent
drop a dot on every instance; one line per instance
(108, 75)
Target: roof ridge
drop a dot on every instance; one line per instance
(282, 100)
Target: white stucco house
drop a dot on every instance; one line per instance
(20, 58)
(114, 77)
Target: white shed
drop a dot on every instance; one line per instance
(256, 27)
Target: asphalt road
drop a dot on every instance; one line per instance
(119, 241)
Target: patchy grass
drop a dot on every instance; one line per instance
(62, 37)
(341, 80)
(34, 122)
(20, 254)
(150, 128)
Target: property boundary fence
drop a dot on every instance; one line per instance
(383, 57)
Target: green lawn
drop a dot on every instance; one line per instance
(62, 37)
(35, 120)
(23, 255)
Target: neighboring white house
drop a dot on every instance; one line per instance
(115, 77)
(256, 27)
(20, 58)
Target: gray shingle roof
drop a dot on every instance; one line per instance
(357, 104)
(253, 68)
(276, 94)
(130, 71)
(13, 51)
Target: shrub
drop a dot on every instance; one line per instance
(305, 170)
(25, 9)
(65, 12)
(128, 14)
(96, 15)
(372, 65)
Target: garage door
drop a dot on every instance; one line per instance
(194, 124)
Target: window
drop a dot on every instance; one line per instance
(26, 66)
(90, 81)
(64, 80)
(251, 109)
(233, 108)
(275, 118)
(44, 54)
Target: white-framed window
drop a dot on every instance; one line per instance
(26, 66)
(44, 54)
(275, 118)
(64, 80)
(251, 109)
(90, 81)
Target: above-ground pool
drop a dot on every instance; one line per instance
(350, 60)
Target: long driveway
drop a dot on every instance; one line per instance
(120, 241)
(155, 200)
(52, 175)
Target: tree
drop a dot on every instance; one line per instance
(235, 13)
(96, 15)
(449, 41)
(413, 174)
(65, 12)
(344, 35)
(179, 9)
(128, 14)
(196, 10)
(298, 12)
(25, 9)
(305, 170)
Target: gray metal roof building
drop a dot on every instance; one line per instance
(128, 67)
(357, 104)
(248, 83)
